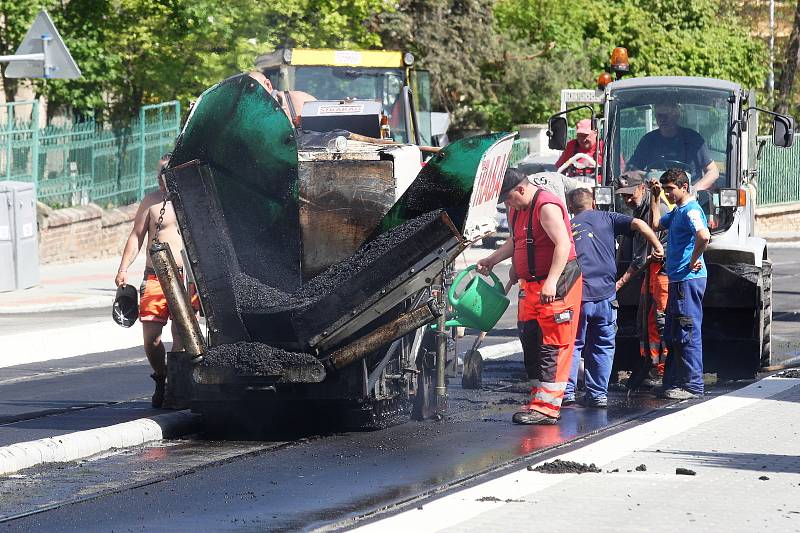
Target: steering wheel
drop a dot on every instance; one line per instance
(574, 161)
(663, 164)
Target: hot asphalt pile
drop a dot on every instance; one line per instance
(255, 358)
(254, 296)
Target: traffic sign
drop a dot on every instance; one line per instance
(42, 54)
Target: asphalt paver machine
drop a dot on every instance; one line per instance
(317, 256)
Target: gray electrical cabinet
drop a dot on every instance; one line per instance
(19, 249)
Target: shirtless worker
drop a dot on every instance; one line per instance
(153, 310)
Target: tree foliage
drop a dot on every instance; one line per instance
(494, 63)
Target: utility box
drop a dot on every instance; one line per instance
(19, 249)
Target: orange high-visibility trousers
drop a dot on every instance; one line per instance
(547, 332)
(654, 346)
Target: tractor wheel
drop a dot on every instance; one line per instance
(765, 314)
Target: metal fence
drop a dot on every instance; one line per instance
(778, 174)
(74, 164)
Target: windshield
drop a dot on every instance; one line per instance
(337, 83)
(656, 128)
(653, 129)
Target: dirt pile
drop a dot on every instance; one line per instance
(255, 358)
(565, 467)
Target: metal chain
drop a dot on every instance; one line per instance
(161, 218)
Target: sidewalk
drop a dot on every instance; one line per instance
(742, 447)
(85, 285)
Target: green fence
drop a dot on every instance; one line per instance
(778, 174)
(74, 164)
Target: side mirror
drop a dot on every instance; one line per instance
(557, 132)
(783, 131)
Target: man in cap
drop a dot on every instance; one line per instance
(585, 142)
(653, 295)
(545, 264)
(594, 233)
(153, 310)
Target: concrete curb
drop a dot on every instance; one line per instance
(82, 444)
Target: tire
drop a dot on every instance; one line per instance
(765, 314)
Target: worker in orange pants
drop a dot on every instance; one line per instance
(653, 298)
(547, 332)
(545, 264)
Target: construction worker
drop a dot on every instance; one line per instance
(291, 102)
(585, 142)
(673, 145)
(594, 233)
(550, 290)
(653, 294)
(687, 240)
(153, 310)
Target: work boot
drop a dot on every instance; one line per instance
(596, 403)
(158, 395)
(534, 418)
(677, 393)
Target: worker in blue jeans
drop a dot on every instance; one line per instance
(594, 233)
(686, 242)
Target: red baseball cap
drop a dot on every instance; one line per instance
(584, 126)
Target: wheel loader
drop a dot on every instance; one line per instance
(737, 307)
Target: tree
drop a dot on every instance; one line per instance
(785, 87)
(453, 39)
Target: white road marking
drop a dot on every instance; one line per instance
(461, 506)
(38, 346)
(499, 351)
(54, 373)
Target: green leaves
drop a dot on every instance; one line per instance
(494, 63)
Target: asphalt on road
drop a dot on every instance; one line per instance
(193, 483)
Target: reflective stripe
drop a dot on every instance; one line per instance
(546, 397)
(545, 408)
(562, 385)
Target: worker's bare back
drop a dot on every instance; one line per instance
(169, 232)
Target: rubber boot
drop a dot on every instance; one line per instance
(158, 395)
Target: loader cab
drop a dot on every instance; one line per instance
(716, 119)
(700, 113)
(369, 76)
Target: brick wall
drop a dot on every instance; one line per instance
(778, 219)
(81, 233)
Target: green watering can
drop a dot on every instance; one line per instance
(480, 305)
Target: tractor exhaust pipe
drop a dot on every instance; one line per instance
(180, 308)
(402, 325)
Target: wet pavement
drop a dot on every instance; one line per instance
(304, 484)
(298, 485)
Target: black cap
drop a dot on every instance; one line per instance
(126, 306)
(629, 182)
(512, 178)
